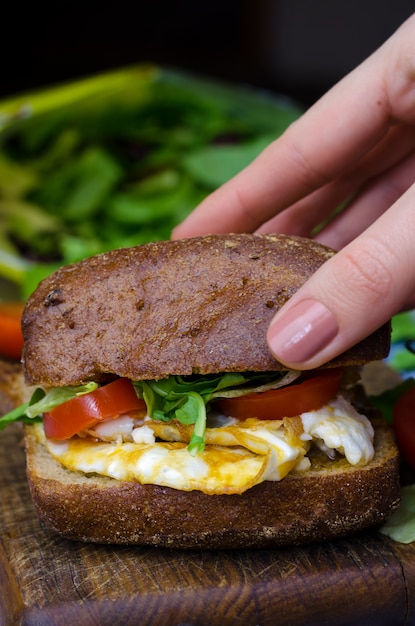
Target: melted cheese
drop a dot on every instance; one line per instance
(237, 456)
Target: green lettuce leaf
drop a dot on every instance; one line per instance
(386, 401)
(19, 413)
(182, 398)
(57, 396)
(401, 525)
(41, 402)
(186, 398)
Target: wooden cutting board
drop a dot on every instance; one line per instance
(45, 580)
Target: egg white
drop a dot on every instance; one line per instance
(237, 456)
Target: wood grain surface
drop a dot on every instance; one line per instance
(45, 580)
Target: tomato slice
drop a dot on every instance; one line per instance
(309, 395)
(11, 338)
(403, 422)
(109, 401)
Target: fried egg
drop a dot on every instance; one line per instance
(237, 456)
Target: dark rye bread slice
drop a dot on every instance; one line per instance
(200, 305)
(332, 500)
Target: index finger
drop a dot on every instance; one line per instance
(321, 145)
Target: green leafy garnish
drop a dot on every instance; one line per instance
(118, 160)
(186, 398)
(42, 402)
(401, 525)
(386, 401)
(57, 396)
(19, 413)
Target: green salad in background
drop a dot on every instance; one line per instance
(117, 160)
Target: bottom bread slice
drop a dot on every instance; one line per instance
(331, 500)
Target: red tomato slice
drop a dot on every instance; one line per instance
(404, 425)
(109, 401)
(11, 338)
(309, 395)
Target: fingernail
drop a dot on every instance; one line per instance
(302, 332)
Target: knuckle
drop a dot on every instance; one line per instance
(368, 271)
(247, 215)
(311, 176)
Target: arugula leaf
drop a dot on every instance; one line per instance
(193, 411)
(57, 396)
(41, 402)
(213, 165)
(186, 398)
(81, 186)
(19, 413)
(192, 407)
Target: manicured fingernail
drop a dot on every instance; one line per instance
(302, 332)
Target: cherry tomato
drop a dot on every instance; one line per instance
(11, 338)
(404, 425)
(109, 401)
(309, 395)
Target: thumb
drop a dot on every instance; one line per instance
(351, 295)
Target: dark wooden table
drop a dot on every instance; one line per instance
(45, 580)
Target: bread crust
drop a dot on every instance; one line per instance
(200, 305)
(332, 500)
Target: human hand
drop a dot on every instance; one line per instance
(357, 141)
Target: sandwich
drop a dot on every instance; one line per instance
(160, 417)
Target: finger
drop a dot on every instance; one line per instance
(369, 204)
(312, 151)
(337, 131)
(352, 294)
(304, 216)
